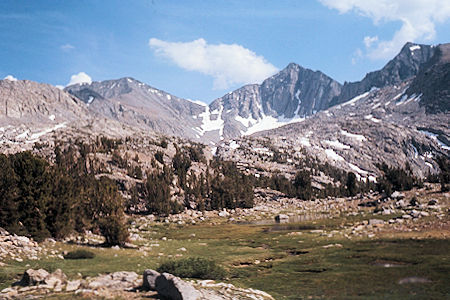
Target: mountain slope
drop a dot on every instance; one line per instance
(384, 125)
(403, 66)
(290, 95)
(433, 82)
(137, 104)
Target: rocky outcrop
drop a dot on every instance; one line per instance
(25, 101)
(174, 288)
(433, 82)
(54, 280)
(169, 286)
(115, 281)
(19, 248)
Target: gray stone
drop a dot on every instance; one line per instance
(397, 195)
(400, 204)
(282, 218)
(73, 285)
(174, 288)
(33, 277)
(56, 279)
(150, 279)
(117, 281)
(375, 222)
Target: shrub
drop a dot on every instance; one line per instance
(79, 254)
(114, 230)
(193, 267)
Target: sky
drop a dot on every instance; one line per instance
(201, 50)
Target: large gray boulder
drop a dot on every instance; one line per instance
(174, 288)
(149, 280)
(33, 277)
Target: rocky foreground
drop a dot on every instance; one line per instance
(419, 214)
(128, 285)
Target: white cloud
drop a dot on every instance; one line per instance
(357, 56)
(59, 86)
(418, 18)
(80, 78)
(10, 78)
(67, 47)
(227, 64)
(369, 40)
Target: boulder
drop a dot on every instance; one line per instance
(73, 285)
(376, 222)
(149, 282)
(174, 288)
(56, 279)
(400, 204)
(117, 281)
(224, 213)
(397, 195)
(33, 277)
(282, 218)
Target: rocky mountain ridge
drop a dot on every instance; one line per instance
(398, 114)
(403, 66)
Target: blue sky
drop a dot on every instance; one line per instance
(203, 49)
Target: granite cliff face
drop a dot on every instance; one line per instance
(30, 101)
(404, 66)
(292, 94)
(296, 91)
(433, 82)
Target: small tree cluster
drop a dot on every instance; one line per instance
(395, 179)
(40, 200)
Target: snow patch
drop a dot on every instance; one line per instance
(371, 118)
(211, 125)
(357, 169)
(333, 155)
(357, 137)
(355, 99)
(415, 47)
(434, 136)
(337, 145)
(37, 135)
(247, 122)
(91, 98)
(168, 97)
(52, 117)
(214, 150)
(269, 122)
(305, 141)
(23, 135)
(234, 145)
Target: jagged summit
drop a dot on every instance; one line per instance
(403, 66)
(433, 81)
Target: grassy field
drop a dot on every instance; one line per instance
(288, 262)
